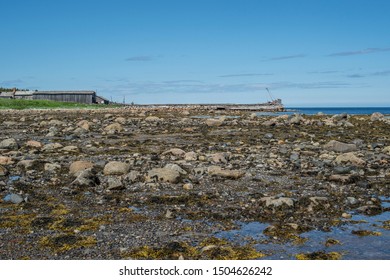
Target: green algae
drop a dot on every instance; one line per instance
(319, 256)
(211, 249)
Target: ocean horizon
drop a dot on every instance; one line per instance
(337, 110)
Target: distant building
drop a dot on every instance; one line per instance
(77, 96)
(86, 97)
(19, 94)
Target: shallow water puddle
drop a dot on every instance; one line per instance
(361, 237)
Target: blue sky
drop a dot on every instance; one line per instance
(307, 52)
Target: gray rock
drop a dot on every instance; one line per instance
(340, 147)
(116, 168)
(176, 168)
(115, 183)
(376, 117)
(9, 144)
(296, 119)
(3, 171)
(163, 175)
(349, 158)
(225, 173)
(86, 178)
(339, 117)
(30, 164)
(277, 201)
(52, 167)
(78, 166)
(133, 176)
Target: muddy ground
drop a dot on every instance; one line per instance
(167, 183)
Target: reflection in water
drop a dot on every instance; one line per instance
(351, 246)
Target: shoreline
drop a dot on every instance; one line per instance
(160, 184)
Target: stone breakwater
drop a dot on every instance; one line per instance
(162, 183)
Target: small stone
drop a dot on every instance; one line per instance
(176, 168)
(3, 171)
(9, 144)
(6, 160)
(349, 158)
(214, 122)
(175, 152)
(30, 164)
(340, 147)
(52, 167)
(277, 202)
(86, 178)
(346, 216)
(70, 149)
(219, 158)
(152, 119)
(188, 186)
(169, 214)
(231, 174)
(112, 128)
(34, 144)
(84, 124)
(114, 184)
(190, 156)
(52, 147)
(116, 168)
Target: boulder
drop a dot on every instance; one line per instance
(163, 175)
(30, 164)
(175, 152)
(86, 178)
(190, 156)
(376, 117)
(176, 168)
(231, 174)
(340, 147)
(9, 144)
(34, 144)
(214, 122)
(219, 158)
(349, 158)
(52, 147)
(277, 201)
(84, 124)
(152, 119)
(116, 168)
(114, 127)
(114, 183)
(78, 166)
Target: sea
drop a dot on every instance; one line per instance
(329, 111)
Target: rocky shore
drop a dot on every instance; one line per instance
(162, 183)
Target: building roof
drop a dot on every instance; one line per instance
(65, 92)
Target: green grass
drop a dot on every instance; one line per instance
(20, 104)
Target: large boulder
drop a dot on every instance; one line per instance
(116, 168)
(340, 147)
(376, 117)
(167, 175)
(78, 166)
